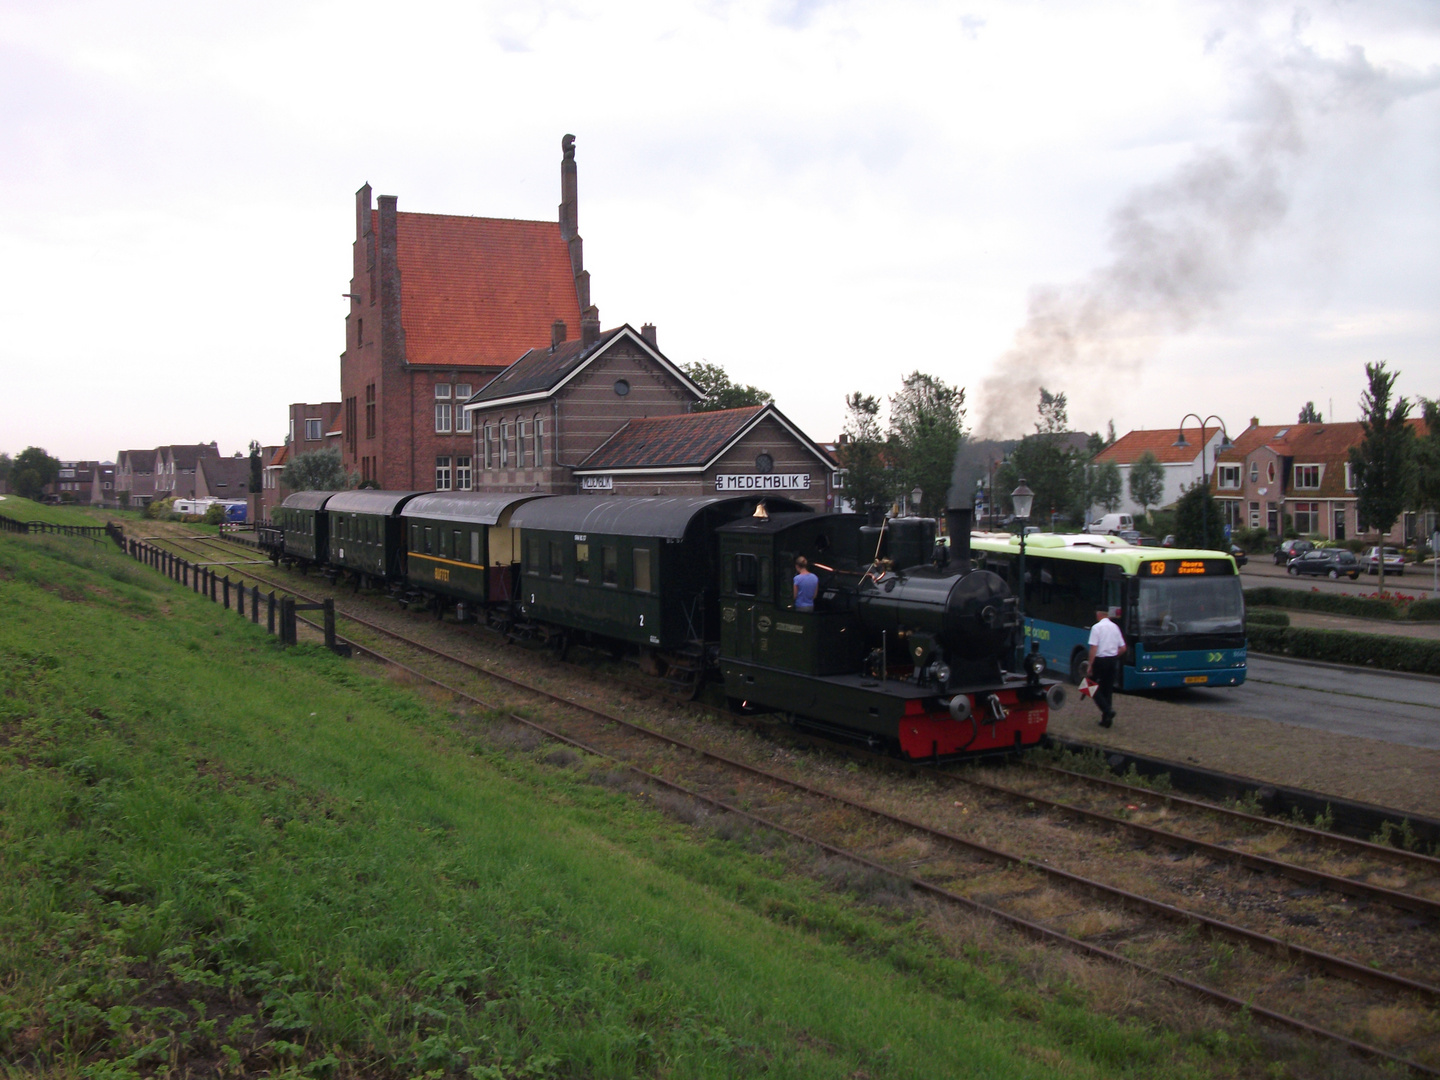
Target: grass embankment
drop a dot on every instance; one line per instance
(13, 506)
(221, 858)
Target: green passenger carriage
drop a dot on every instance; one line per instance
(365, 533)
(460, 546)
(307, 528)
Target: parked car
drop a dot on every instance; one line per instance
(1148, 541)
(1130, 536)
(1394, 561)
(1330, 562)
(1291, 549)
(1239, 555)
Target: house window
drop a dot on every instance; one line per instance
(442, 417)
(442, 391)
(462, 391)
(442, 474)
(1270, 472)
(1307, 517)
(1254, 472)
(370, 411)
(1230, 476)
(463, 420)
(1254, 515)
(1349, 476)
(1307, 477)
(1230, 509)
(462, 474)
(582, 562)
(539, 441)
(314, 430)
(837, 479)
(486, 436)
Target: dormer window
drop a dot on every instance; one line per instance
(1229, 477)
(1307, 477)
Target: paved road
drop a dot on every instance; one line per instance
(1396, 708)
(1261, 571)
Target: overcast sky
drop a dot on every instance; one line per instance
(1152, 207)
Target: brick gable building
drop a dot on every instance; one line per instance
(439, 305)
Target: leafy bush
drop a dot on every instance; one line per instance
(1254, 541)
(215, 514)
(160, 509)
(1387, 651)
(1333, 603)
(1266, 618)
(1425, 609)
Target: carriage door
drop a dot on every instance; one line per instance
(745, 573)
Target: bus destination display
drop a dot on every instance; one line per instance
(1185, 567)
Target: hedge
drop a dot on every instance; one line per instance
(1365, 607)
(1266, 618)
(1388, 651)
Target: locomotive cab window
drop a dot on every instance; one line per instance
(641, 559)
(582, 562)
(747, 574)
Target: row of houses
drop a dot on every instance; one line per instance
(139, 477)
(1269, 476)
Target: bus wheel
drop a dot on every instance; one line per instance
(1078, 666)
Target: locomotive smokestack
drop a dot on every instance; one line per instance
(957, 524)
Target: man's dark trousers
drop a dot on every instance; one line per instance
(1104, 672)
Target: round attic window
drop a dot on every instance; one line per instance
(622, 387)
(764, 464)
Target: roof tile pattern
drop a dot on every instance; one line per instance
(1127, 449)
(671, 441)
(480, 291)
(539, 370)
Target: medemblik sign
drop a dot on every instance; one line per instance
(763, 482)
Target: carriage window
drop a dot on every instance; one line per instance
(414, 537)
(557, 559)
(457, 548)
(475, 547)
(582, 562)
(608, 572)
(642, 569)
(429, 540)
(532, 556)
(747, 574)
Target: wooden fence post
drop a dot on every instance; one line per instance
(226, 592)
(270, 612)
(287, 621)
(329, 623)
(255, 604)
(240, 599)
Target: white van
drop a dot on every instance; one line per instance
(1114, 524)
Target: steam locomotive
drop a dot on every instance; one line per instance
(908, 646)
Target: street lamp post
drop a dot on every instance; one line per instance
(1225, 444)
(915, 496)
(1021, 499)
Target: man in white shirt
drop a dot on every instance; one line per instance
(1106, 646)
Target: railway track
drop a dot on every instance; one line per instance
(1136, 930)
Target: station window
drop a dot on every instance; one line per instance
(641, 560)
(504, 444)
(539, 441)
(442, 417)
(522, 446)
(557, 559)
(747, 574)
(442, 474)
(464, 420)
(462, 474)
(609, 569)
(582, 562)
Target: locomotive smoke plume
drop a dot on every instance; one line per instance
(1180, 245)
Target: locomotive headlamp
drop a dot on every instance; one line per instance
(1034, 665)
(940, 672)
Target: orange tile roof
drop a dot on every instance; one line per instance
(1127, 449)
(480, 291)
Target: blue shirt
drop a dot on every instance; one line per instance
(805, 586)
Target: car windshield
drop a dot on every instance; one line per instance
(1199, 605)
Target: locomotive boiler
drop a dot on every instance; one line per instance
(908, 644)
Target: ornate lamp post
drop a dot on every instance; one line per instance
(915, 495)
(1022, 498)
(1225, 444)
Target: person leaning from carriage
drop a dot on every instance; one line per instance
(806, 585)
(1106, 646)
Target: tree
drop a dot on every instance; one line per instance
(863, 453)
(927, 425)
(1427, 458)
(1147, 481)
(31, 470)
(257, 467)
(5, 465)
(1198, 521)
(1105, 486)
(1052, 469)
(1308, 415)
(720, 392)
(319, 470)
(1381, 465)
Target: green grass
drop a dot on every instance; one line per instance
(219, 857)
(13, 506)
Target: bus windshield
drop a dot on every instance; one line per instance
(1181, 607)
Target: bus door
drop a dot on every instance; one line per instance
(1121, 592)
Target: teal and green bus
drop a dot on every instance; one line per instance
(1182, 611)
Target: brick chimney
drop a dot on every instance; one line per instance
(570, 220)
(558, 330)
(648, 333)
(590, 326)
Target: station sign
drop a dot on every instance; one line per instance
(763, 482)
(597, 483)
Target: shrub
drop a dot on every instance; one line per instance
(1425, 609)
(214, 514)
(1266, 618)
(159, 509)
(1253, 541)
(1334, 603)
(1386, 651)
